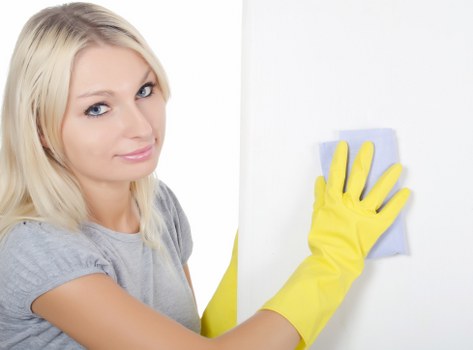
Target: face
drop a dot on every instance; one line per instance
(113, 128)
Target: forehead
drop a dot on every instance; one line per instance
(110, 67)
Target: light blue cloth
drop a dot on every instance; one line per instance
(393, 241)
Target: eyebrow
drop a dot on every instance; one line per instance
(107, 92)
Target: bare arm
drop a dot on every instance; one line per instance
(99, 314)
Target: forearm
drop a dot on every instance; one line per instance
(110, 318)
(265, 330)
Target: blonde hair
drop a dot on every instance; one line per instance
(34, 182)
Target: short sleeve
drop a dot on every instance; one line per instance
(37, 257)
(176, 221)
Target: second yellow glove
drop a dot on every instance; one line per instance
(220, 315)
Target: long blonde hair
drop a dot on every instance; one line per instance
(34, 182)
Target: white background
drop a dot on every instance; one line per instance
(198, 42)
(311, 68)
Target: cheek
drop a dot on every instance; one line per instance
(157, 119)
(162, 125)
(81, 142)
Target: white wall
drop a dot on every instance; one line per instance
(198, 43)
(311, 68)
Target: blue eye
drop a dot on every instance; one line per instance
(146, 90)
(97, 110)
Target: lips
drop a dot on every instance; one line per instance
(139, 154)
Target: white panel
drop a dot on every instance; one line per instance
(311, 68)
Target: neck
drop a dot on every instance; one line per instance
(113, 206)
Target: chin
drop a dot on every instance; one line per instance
(143, 173)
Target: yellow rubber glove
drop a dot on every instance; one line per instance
(220, 315)
(344, 228)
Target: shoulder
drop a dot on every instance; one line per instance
(168, 204)
(36, 257)
(37, 240)
(176, 221)
(26, 234)
(165, 196)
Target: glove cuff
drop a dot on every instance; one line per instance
(312, 294)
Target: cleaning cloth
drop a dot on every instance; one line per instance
(393, 241)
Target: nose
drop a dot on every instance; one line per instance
(135, 123)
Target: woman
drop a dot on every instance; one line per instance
(94, 249)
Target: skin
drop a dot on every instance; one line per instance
(113, 110)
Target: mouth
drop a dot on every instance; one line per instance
(139, 154)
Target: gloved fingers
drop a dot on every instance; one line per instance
(319, 193)
(338, 169)
(381, 189)
(360, 170)
(392, 209)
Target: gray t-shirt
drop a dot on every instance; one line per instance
(37, 257)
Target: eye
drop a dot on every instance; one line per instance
(97, 110)
(146, 90)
